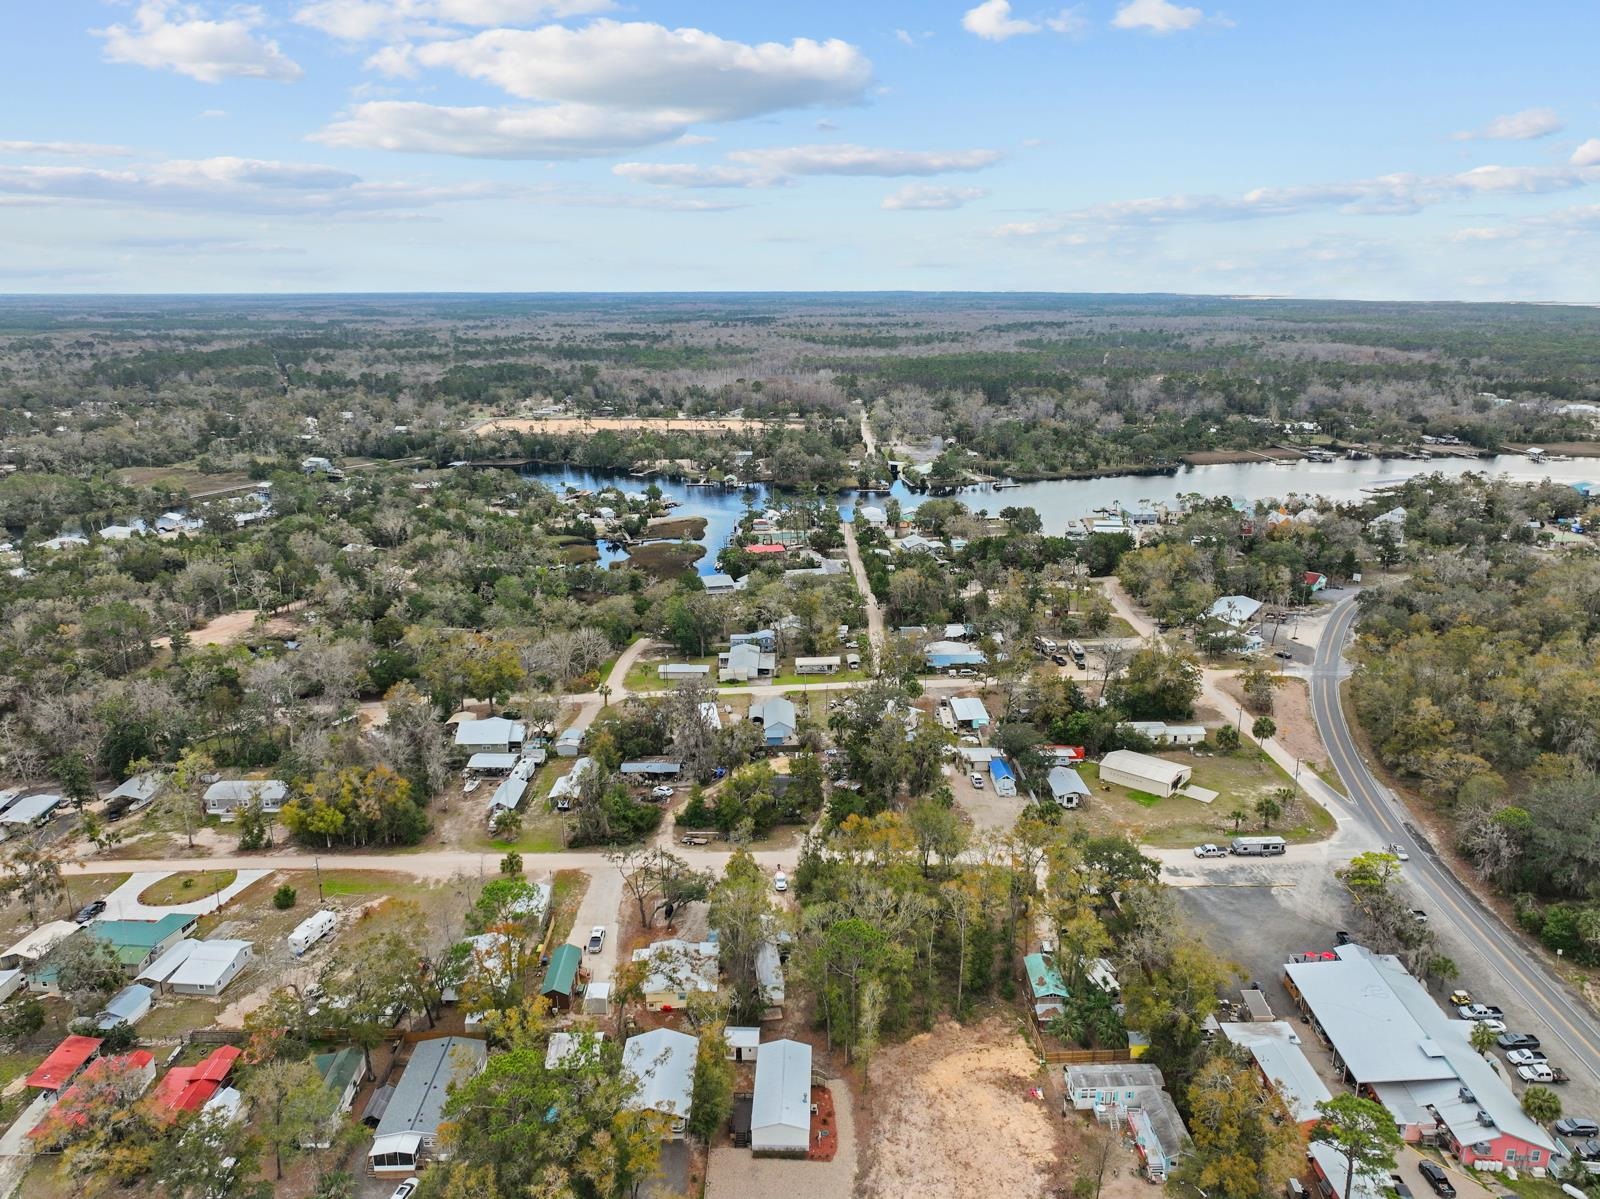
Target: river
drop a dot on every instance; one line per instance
(1059, 501)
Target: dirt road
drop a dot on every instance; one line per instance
(852, 551)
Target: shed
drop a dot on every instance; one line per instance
(409, 1129)
(570, 740)
(780, 1115)
(561, 977)
(597, 999)
(968, 712)
(128, 1006)
(1067, 787)
(138, 791)
(1142, 772)
(744, 1043)
(682, 670)
(1004, 778)
(661, 1064)
(198, 967)
(63, 1063)
(225, 798)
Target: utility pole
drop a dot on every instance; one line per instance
(316, 863)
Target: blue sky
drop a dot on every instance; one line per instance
(1275, 147)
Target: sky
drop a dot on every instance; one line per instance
(1273, 147)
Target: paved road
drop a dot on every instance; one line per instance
(1573, 1032)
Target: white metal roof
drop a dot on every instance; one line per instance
(241, 791)
(39, 942)
(494, 730)
(742, 1037)
(1273, 1044)
(491, 761)
(30, 808)
(783, 1086)
(1145, 766)
(1066, 781)
(193, 963)
(661, 1061)
(968, 708)
(1234, 609)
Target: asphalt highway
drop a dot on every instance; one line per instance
(1566, 1018)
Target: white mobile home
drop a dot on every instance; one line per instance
(780, 1116)
(227, 797)
(198, 967)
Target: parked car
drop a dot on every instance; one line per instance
(1517, 1040)
(661, 792)
(977, 780)
(1209, 850)
(1588, 1150)
(1419, 915)
(1434, 1175)
(969, 739)
(1525, 1057)
(1536, 1073)
(597, 938)
(780, 881)
(1059, 659)
(1576, 1126)
(1493, 1025)
(1460, 998)
(1284, 654)
(1397, 852)
(406, 1188)
(89, 911)
(1399, 1187)
(1479, 1011)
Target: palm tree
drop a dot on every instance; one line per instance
(1482, 1037)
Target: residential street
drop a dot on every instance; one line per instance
(874, 613)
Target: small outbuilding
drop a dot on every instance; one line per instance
(744, 1043)
(1067, 787)
(1142, 772)
(560, 982)
(968, 712)
(780, 1115)
(1003, 777)
(128, 1006)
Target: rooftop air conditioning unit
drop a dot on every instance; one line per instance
(1485, 1118)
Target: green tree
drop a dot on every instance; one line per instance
(31, 874)
(1363, 1133)
(76, 784)
(87, 971)
(712, 1096)
(1269, 809)
(1245, 1140)
(1482, 1037)
(1227, 738)
(1264, 728)
(291, 1105)
(1541, 1105)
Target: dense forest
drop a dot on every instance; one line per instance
(1027, 385)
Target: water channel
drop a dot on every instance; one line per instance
(1059, 501)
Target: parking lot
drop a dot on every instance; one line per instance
(1257, 913)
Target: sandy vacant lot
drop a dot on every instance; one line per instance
(952, 1114)
(594, 424)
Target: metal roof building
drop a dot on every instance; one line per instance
(780, 1115)
(661, 1062)
(410, 1123)
(1276, 1048)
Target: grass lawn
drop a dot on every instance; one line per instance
(800, 680)
(365, 883)
(190, 885)
(642, 676)
(174, 1016)
(1177, 820)
(567, 892)
(541, 833)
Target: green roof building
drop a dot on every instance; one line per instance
(140, 942)
(1048, 987)
(561, 977)
(342, 1071)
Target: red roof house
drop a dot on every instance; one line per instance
(187, 1088)
(137, 1071)
(64, 1062)
(766, 549)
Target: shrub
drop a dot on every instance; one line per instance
(283, 898)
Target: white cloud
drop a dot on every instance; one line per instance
(907, 38)
(864, 160)
(1156, 16)
(64, 149)
(928, 197)
(778, 166)
(607, 87)
(365, 20)
(1588, 154)
(214, 114)
(992, 21)
(1482, 234)
(1400, 193)
(166, 36)
(1515, 127)
(1071, 21)
(638, 66)
(560, 131)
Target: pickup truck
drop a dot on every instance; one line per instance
(1539, 1072)
(1479, 1011)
